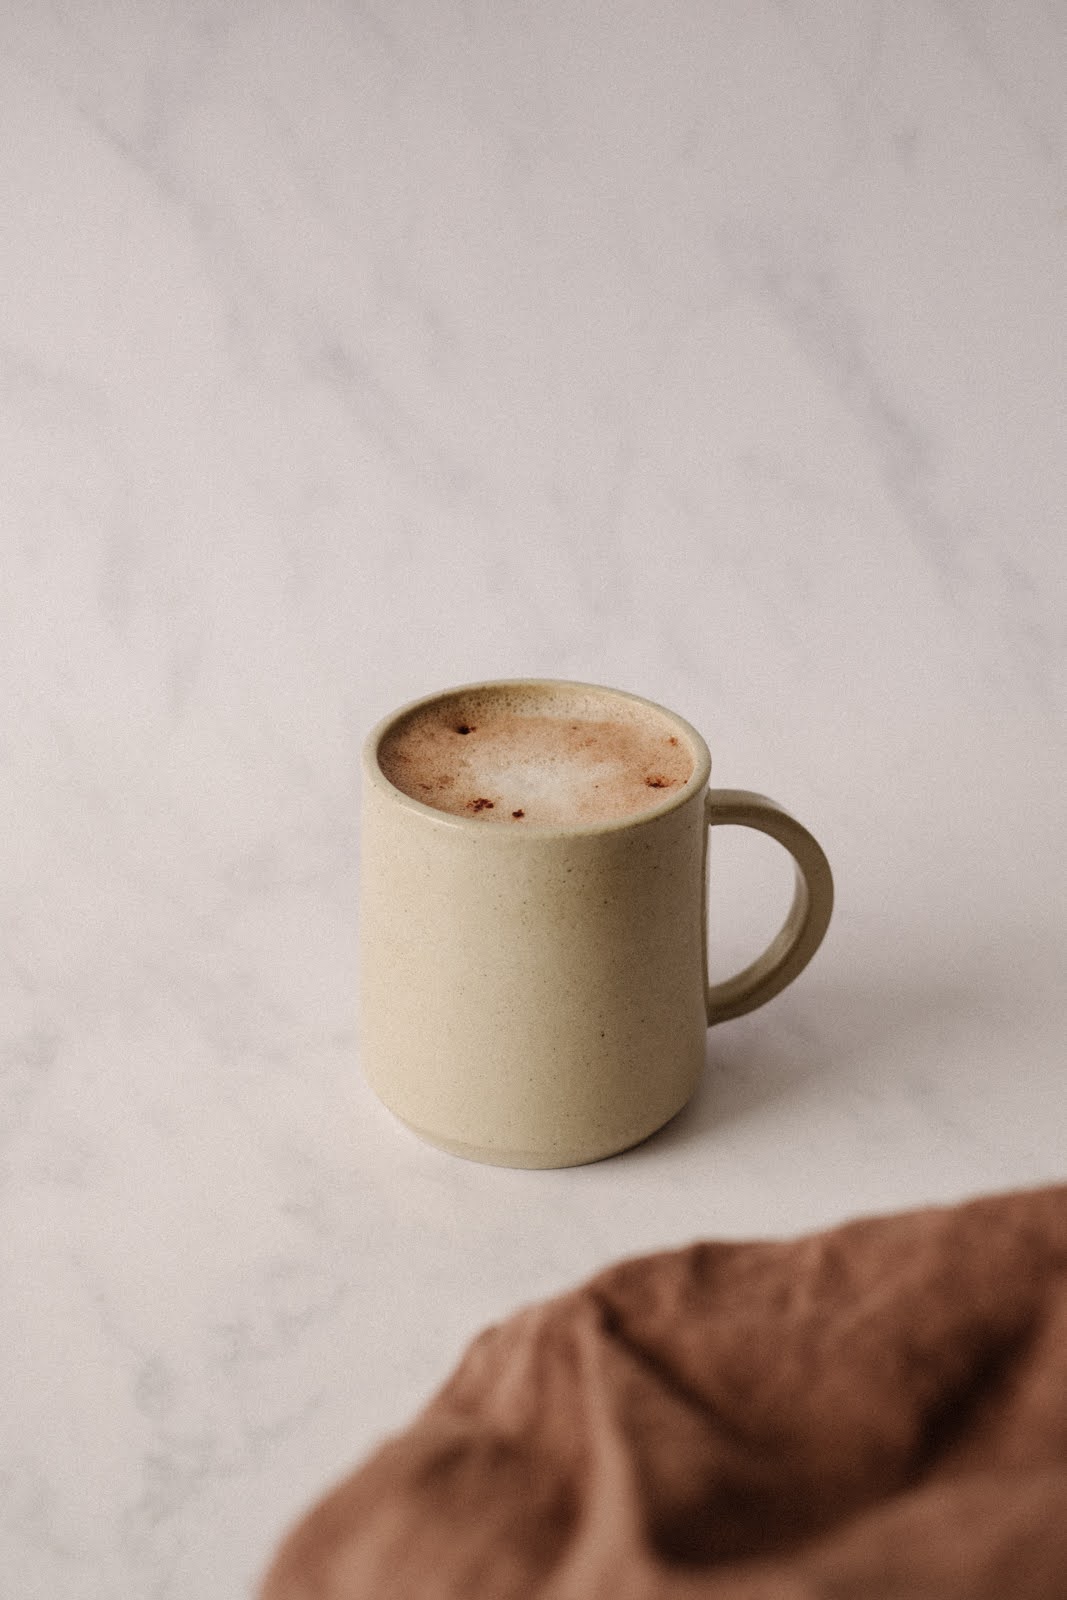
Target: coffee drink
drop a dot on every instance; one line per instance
(532, 756)
(534, 970)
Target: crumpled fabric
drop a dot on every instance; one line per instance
(875, 1411)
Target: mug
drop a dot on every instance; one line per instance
(535, 993)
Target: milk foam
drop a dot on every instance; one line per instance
(537, 757)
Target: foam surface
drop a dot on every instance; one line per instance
(537, 757)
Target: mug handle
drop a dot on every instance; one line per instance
(802, 931)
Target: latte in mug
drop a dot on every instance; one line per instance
(533, 908)
(529, 756)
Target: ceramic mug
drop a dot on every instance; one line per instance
(536, 995)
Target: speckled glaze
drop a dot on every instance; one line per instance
(538, 997)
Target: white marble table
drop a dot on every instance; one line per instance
(352, 350)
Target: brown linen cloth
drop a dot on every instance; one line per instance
(879, 1411)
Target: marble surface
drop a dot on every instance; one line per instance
(348, 351)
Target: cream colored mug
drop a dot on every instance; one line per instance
(534, 988)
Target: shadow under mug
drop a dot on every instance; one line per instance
(538, 996)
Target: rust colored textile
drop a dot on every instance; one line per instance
(878, 1412)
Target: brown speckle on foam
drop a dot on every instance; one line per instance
(518, 814)
(656, 782)
(481, 804)
(464, 727)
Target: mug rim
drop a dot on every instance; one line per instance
(697, 781)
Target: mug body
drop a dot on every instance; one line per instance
(533, 996)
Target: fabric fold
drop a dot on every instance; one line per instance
(876, 1410)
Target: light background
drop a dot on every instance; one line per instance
(348, 351)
